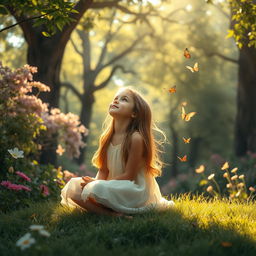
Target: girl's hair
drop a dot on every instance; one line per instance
(144, 125)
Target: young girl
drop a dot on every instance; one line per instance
(127, 161)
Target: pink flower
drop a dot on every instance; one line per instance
(6, 183)
(23, 175)
(18, 187)
(44, 190)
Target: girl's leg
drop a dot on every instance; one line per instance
(92, 206)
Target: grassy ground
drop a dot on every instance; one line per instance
(194, 227)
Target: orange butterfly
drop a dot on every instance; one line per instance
(187, 116)
(186, 141)
(187, 54)
(173, 89)
(184, 103)
(193, 69)
(183, 159)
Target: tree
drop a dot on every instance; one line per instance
(46, 53)
(243, 29)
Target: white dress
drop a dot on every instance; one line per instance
(120, 195)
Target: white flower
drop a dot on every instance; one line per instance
(16, 153)
(211, 176)
(36, 227)
(26, 241)
(44, 233)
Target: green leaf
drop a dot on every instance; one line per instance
(44, 33)
(3, 10)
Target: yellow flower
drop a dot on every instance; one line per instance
(229, 185)
(238, 193)
(200, 169)
(225, 166)
(234, 177)
(225, 175)
(211, 176)
(209, 189)
(240, 185)
(241, 176)
(234, 170)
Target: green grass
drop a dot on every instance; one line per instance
(195, 227)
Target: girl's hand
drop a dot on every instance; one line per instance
(86, 179)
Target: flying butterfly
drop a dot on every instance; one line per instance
(186, 141)
(187, 116)
(187, 54)
(193, 69)
(172, 89)
(183, 159)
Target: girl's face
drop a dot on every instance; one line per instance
(122, 105)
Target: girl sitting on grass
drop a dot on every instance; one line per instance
(127, 161)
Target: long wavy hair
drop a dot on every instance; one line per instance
(143, 124)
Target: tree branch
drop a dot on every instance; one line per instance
(123, 53)
(104, 83)
(75, 47)
(222, 56)
(72, 88)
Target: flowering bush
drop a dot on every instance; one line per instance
(19, 189)
(26, 121)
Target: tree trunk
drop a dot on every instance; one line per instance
(245, 125)
(85, 117)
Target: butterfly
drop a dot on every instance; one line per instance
(187, 116)
(187, 54)
(186, 141)
(183, 159)
(193, 69)
(172, 89)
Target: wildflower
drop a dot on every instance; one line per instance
(234, 177)
(211, 176)
(60, 150)
(200, 169)
(225, 166)
(241, 176)
(229, 185)
(240, 185)
(26, 241)
(36, 227)
(18, 187)
(5, 183)
(11, 170)
(238, 193)
(23, 175)
(209, 189)
(16, 153)
(43, 232)
(225, 175)
(44, 190)
(234, 170)
(252, 189)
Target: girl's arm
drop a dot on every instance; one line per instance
(135, 159)
(102, 174)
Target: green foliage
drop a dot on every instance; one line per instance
(45, 183)
(211, 227)
(52, 15)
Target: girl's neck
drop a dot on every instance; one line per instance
(120, 126)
